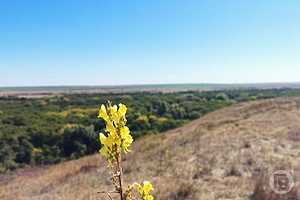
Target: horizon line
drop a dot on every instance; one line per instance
(147, 84)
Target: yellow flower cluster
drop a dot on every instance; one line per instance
(145, 190)
(118, 137)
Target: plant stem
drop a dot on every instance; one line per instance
(119, 167)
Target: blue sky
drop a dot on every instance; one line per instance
(110, 42)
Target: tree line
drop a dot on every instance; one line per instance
(50, 130)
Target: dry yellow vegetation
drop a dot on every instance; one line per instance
(76, 111)
(219, 156)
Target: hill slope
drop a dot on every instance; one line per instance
(219, 156)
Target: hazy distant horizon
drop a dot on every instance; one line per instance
(42, 91)
(149, 84)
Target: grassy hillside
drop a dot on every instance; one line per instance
(223, 155)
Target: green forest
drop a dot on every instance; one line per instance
(53, 129)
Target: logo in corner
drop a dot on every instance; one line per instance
(281, 182)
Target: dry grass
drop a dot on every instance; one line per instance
(219, 156)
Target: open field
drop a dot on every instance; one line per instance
(48, 91)
(222, 155)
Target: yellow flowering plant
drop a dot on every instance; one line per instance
(115, 141)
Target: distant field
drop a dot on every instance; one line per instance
(38, 92)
